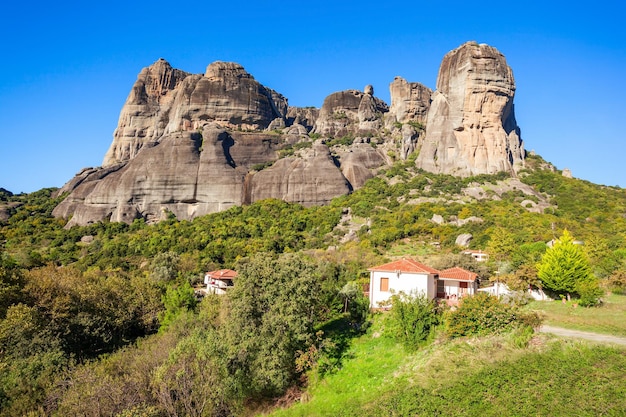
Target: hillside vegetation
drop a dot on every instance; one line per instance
(103, 320)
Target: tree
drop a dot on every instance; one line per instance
(564, 267)
(272, 313)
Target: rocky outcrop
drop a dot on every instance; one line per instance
(471, 127)
(309, 180)
(193, 144)
(409, 101)
(350, 112)
(191, 174)
(358, 163)
(304, 116)
(164, 100)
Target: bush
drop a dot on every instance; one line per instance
(479, 315)
(589, 292)
(413, 319)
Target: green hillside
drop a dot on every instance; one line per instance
(102, 319)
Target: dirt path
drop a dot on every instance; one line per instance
(596, 337)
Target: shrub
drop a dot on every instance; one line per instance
(479, 315)
(413, 319)
(589, 292)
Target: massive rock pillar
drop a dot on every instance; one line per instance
(471, 127)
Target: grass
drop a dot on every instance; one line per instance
(606, 319)
(362, 373)
(408, 249)
(490, 376)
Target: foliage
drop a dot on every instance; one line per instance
(177, 299)
(564, 268)
(355, 303)
(413, 319)
(484, 376)
(92, 312)
(521, 280)
(11, 284)
(271, 317)
(565, 379)
(481, 314)
(164, 267)
(617, 282)
(343, 140)
(31, 358)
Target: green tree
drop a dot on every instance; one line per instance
(564, 267)
(272, 313)
(176, 300)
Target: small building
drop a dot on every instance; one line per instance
(479, 255)
(456, 283)
(218, 282)
(404, 275)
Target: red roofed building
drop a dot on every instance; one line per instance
(406, 275)
(456, 282)
(219, 281)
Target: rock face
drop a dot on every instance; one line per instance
(350, 112)
(191, 174)
(166, 100)
(471, 127)
(311, 179)
(193, 144)
(409, 101)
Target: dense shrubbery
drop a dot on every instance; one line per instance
(484, 314)
(413, 319)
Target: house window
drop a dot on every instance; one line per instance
(463, 284)
(384, 284)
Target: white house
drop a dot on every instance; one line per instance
(479, 255)
(404, 275)
(456, 283)
(219, 281)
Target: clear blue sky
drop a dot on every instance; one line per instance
(67, 67)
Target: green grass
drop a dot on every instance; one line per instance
(609, 318)
(369, 367)
(490, 376)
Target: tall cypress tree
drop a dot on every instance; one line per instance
(564, 267)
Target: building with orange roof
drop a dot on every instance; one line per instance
(456, 282)
(219, 281)
(404, 275)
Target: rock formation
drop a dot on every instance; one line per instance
(350, 112)
(166, 100)
(471, 127)
(409, 101)
(193, 144)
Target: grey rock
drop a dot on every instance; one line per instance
(166, 100)
(350, 112)
(464, 239)
(309, 181)
(409, 101)
(471, 127)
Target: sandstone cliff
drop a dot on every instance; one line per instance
(471, 127)
(193, 144)
(350, 112)
(166, 100)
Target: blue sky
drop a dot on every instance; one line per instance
(66, 68)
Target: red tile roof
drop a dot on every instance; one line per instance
(405, 265)
(222, 274)
(458, 274)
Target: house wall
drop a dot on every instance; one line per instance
(406, 282)
(454, 287)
